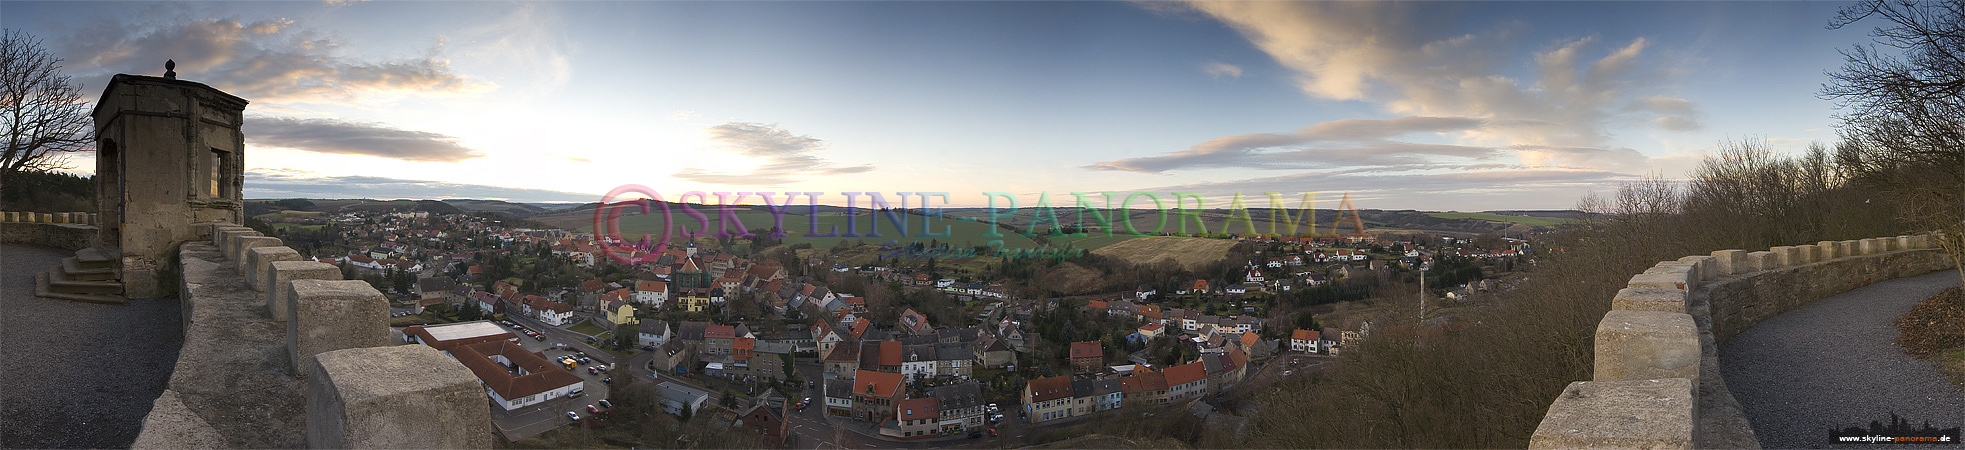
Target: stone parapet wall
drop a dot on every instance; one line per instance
(78, 218)
(65, 236)
(242, 378)
(1656, 381)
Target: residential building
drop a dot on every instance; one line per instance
(1047, 399)
(1144, 387)
(767, 420)
(915, 418)
(839, 397)
(1186, 382)
(875, 394)
(654, 333)
(1087, 357)
(515, 377)
(961, 407)
(651, 293)
(1307, 341)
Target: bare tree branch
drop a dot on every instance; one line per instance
(41, 110)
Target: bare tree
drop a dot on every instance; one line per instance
(1904, 114)
(41, 109)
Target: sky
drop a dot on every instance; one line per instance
(1464, 106)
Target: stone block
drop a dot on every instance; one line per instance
(1787, 255)
(1649, 299)
(9, 216)
(223, 239)
(329, 315)
(1708, 267)
(1810, 254)
(1647, 414)
(1829, 250)
(1679, 278)
(281, 275)
(242, 244)
(1731, 262)
(1920, 241)
(1644, 345)
(1849, 248)
(1902, 243)
(1762, 260)
(405, 396)
(1692, 267)
(259, 262)
(1871, 246)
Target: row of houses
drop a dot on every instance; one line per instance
(881, 398)
(1063, 397)
(1186, 320)
(727, 351)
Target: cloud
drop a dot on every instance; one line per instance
(290, 183)
(265, 61)
(1389, 53)
(785, 157)
(1219, 69)
(1471, 190)
(351, 138)
(1340, 143)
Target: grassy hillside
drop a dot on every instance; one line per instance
(1191, 253)
(1524, 220)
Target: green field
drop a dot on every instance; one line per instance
(1524, 220)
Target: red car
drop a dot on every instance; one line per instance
(592, 410)
(992, 432)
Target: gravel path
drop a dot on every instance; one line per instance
(1834, 363)
(77, 375)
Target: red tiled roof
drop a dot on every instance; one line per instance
(648, 285)
(916, 409)
(1304, 335)
(1186, 373)
(890, 353)
(1046, 389)
(1151, 327)
(878, 384)
(1087, 349)
(1149, 380)
(719, 332)
(541, 376)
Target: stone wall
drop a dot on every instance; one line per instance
(67, 231)
(319, 373)
(1657, 383)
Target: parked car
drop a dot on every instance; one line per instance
(591, 409)
(605, 404)
(593, 371)
(648, 348)
(607, 380)
(992, 431)
(571, 415)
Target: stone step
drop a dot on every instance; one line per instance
(73, 268)
(95, 258)
(43, 288)
(58, 282)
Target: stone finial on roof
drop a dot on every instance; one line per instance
(170, 69)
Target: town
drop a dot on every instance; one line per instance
(801, 347)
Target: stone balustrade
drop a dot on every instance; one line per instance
(1656, 380)
(247, 298)
(78, 218)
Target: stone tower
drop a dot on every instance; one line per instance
(169, 157)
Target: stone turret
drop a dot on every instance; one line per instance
(169, 157)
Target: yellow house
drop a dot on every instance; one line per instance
(618, 309)
(693, 300)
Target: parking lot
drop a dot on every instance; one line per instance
(533, 419)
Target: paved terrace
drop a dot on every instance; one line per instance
(1835, 363)
(77, 375)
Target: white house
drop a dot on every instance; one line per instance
(1306, 341)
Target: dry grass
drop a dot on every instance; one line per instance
(1191, 253)
(1935, 330)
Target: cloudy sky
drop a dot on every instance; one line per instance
(1436, 105)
